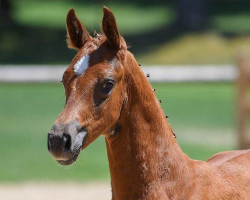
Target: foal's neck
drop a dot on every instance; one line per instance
(144, 156)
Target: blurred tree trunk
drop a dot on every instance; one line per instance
(5, 11)
(192, 14)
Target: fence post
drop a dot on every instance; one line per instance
(243, 103)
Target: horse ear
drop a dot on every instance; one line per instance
(110, 29)
(77, 35)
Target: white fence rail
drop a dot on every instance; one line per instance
(48, 73)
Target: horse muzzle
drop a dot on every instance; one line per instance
(65, 142)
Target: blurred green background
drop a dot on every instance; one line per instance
(201, 115)
(159, 32)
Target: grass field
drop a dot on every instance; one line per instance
(202, 116)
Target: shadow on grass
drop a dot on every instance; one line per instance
(21, 44)
(29, 45)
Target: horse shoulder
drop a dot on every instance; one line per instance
(241, 157)
(225, 175)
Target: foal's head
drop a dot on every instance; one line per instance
(94, 88)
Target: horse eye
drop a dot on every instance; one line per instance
(108, 85)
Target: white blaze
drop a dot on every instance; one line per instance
(81, 65)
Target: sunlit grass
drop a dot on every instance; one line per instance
(232, 23)
(52, 14)
(206, 48)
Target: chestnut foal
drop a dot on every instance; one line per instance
(107, 93)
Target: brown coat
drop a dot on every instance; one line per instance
(114, 98)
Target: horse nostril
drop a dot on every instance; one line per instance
(48, 141)
(67, 142)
